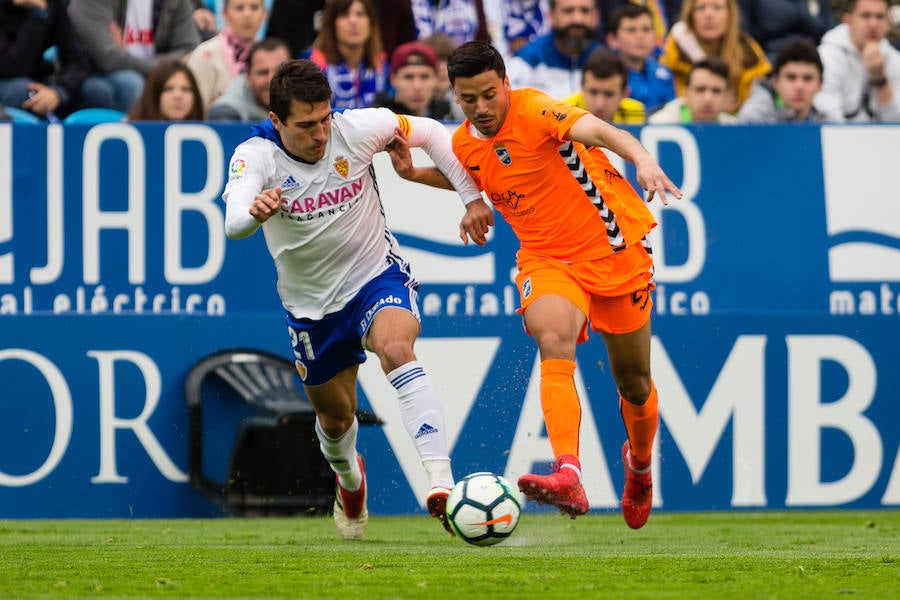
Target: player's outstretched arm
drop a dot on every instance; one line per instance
(591, 131)
(434, 138)
(401, 159)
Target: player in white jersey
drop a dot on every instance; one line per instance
(306, 177)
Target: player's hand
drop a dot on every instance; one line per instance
(401, 159)
(265, 204)
(652, 178)
(476, 223)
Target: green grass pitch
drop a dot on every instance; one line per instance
(794, 554)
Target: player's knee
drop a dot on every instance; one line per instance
(635, 388)
(336, 423)
(394, 354)
(555, 344)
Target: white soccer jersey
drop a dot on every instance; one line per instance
(330, 237)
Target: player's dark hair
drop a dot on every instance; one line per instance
(603, 63)
(300, 80)
(799, 50)
(626, 11)
(474, 58)
(713, 64)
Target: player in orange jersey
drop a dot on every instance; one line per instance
(584, 258)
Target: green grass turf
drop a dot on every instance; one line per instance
(846, 554)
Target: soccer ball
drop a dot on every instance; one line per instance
(483, 509)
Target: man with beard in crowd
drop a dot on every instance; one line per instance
(552, 62)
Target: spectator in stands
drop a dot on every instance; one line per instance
(124, 39)
(712, 28)
(220, 59)
(349, 52)
(552, 63)
(663, 12)
(862, 70)
(630, 33)
(204, 19)
(443, 45)
(773, 22)
(28, 81)
(296, 23)
(247, 96)
(171, 94)
(396, 23)
(414, 68)
(462, 20)
(787, 95)
(522, 21)
(841, 7)
(218, 8)
(604, 90)
(705, 96)
(893, 35)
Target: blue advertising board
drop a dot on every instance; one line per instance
(776, 315)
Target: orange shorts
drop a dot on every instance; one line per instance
(613, 292)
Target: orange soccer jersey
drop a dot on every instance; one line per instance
(563, 200)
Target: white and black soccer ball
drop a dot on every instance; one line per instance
(483, 509)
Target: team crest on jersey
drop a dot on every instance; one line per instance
(503, 154)
(301, 369)
(342, 166)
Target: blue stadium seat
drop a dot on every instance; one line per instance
(92, 116)
(21, 116)
(255, 399)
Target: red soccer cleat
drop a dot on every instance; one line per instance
(562, 489)
(437, 506)
(637, 498)
(350, 513)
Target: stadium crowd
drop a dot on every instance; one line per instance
(627, 61)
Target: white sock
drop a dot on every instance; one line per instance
(439, 472)
(423, 418)
(340, 453)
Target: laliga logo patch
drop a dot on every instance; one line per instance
(342, 166)
(237, 167)
(301, 369)
(503, 154)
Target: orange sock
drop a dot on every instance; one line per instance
(562, 409)
(641, 423)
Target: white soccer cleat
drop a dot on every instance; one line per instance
(350, 512)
